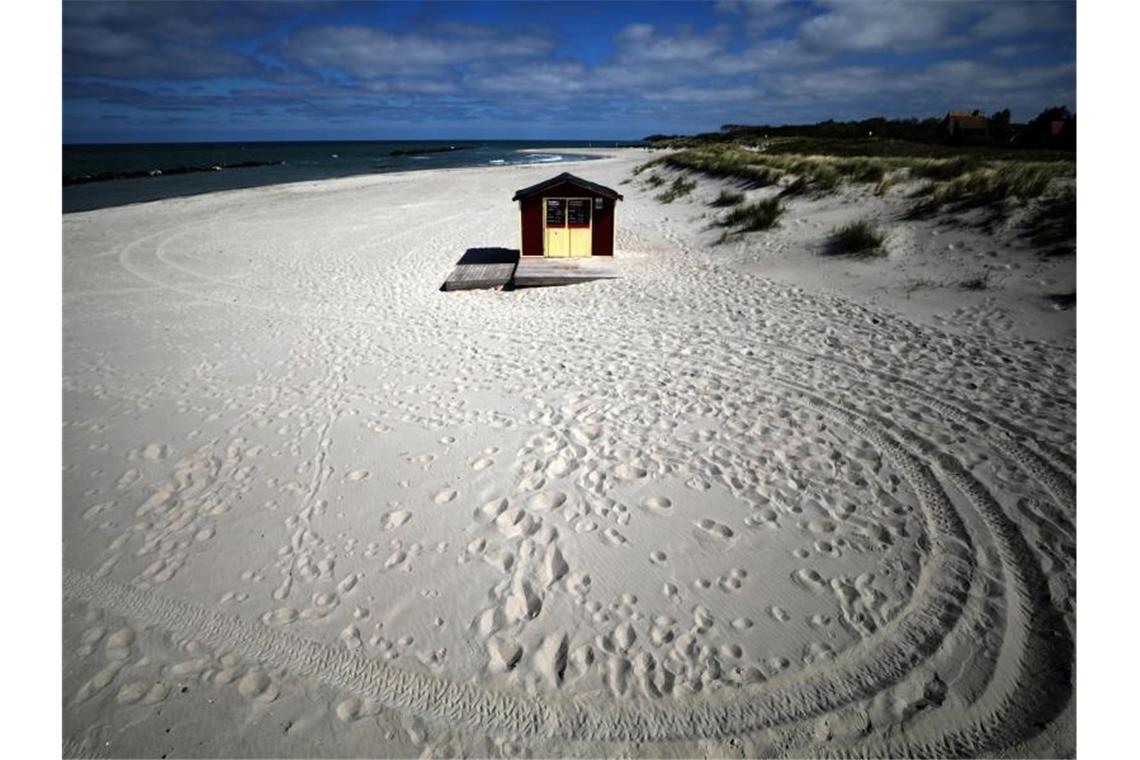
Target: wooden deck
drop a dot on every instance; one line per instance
(483, 268)
(504, 268)
(537, 271)
(472, 276)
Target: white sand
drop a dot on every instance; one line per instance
(743, 500)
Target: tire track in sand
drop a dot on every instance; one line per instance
(882, 660)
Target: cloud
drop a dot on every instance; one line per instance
(896, 25)
(866, 90)
(122, 39)
(1016, 19)
(371, 52)
(761, 15)
(642, 43)
(905, 25)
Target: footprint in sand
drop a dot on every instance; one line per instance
(154, 452)
(658, 557)
(491, 510)
(547, 500)
(561, 466)
(628, 471)
(482, 463)
(583, 434)
(128, 479)
(444, 496)
(657, 504)
(280, 616)
(585, 526)
(720, 530)
(697, 484)
(810, 579)
(356, 475)
(132, 692)
(393, 520)
(532, 482)
(779, 613)
(615, 538)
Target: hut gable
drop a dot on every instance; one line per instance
(566, 178)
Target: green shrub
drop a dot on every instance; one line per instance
(856, 239)
(654, 180)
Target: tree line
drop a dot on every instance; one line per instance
(1053, 128)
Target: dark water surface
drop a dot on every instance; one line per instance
(279, 162)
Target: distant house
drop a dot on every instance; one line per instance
(965, 124)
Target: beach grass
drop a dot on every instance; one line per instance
(727, 198)
(856, 239)
(681, 187)
(991, 179)
(1052, 225)
(752, 217)
(977, 282)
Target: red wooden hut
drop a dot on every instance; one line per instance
(567, 216)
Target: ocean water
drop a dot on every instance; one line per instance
(279, 162)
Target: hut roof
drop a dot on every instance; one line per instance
(565, 177)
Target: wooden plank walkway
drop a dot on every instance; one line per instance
(504, 268)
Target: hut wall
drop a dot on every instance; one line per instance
(603, 237)
(531, 226)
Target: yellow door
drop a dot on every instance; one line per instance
(557, 237)
(578, 221)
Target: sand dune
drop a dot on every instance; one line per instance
(314, 506)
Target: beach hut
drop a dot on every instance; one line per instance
(567, 216)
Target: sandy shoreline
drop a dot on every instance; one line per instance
(739, 500)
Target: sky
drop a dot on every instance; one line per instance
(146, 71)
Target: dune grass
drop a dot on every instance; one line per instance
(680, 188)
(996, 188)
(727, 198)
(1052, 225)
(856, 239)
(655, 180)
(972, 180)
(978, 282)
(761, 215)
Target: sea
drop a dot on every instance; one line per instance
(100, 176)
